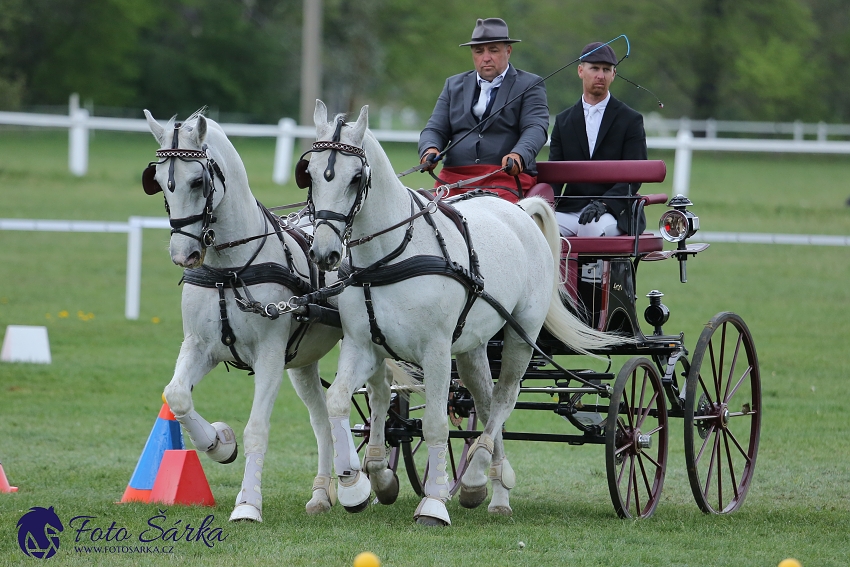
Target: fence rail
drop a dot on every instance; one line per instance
(79, 123)
(133, 227)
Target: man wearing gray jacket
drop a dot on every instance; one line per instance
(516, 132)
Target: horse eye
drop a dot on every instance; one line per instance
(356, 179)
(197, 182)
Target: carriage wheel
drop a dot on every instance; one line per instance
(722, 415)
(415, 452)
(362, 430)
(636, 434)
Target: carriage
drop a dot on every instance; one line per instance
(714, 388)
(233, 278)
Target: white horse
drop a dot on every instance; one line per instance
(414, 319)
(210, 203)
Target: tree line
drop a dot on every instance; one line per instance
(777, 60)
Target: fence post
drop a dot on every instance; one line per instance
(711, 128)
(134, 268)
(283, 150)
(822, 131)
(682, 161)
(78, 137)
(799, 130)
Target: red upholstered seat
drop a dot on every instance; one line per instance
(631, 171)
(611, 245)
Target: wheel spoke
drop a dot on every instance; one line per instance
(649, 407)
(738, 445)
(705, 390)
(631, 478)
(644, 475)
(653, 431)
(642, 393)
(732, 366)
(704, 445)
(714, 448)
(738, 385)
(651, 460)
(731, 467)
(362, 444)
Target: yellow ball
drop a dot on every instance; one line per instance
(790, 562)
(369, 559)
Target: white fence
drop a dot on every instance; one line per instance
(78, 122)
(133, 227)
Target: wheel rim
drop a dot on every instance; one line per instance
(415, 452)
(722, 415)
(636, 436)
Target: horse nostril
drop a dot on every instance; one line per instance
(194, 258)
(333, 258)
(312, 255)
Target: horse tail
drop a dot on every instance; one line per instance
(563, 325)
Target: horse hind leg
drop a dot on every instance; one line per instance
(217, 439)
(383, 479)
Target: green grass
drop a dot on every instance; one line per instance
(71, 432)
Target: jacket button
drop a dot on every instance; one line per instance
(477, 160)
(480, 135)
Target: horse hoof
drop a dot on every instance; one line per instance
(226, 449)
(472, 497)
(357, 508)
(429, 521)
(500, 510)
(388, 495)
(246, 513)
(318, 505)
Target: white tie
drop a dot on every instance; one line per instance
(483, 98)
(592, 121)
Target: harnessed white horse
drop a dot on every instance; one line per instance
(413, 289)
(209, 201)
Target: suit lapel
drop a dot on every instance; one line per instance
(502, 94)
(469, 86)
(580, 128)
(607, 119)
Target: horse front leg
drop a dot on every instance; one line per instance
(435, 431)
(308, 386)
(217, 440)
(356, 364)
(268, 374)
(383, 479)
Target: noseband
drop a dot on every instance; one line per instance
(210, 171)
(302, 178)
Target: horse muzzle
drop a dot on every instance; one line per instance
(326, 250)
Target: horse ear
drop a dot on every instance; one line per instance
(199, 132)
(361, 125)
(320, 115)
(156, 128)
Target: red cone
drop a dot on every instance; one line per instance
(4, 483)
(181, 480)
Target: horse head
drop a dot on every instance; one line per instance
(338, 178)
(190, 176)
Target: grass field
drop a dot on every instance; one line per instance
(71, 432)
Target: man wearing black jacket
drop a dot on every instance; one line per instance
(598, 127)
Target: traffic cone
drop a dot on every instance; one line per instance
(165, 435)
(181, 480)
(4, 483)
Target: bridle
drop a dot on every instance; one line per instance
(304, 181)
(210, 171)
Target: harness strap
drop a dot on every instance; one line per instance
(228, 339)
(377, 336)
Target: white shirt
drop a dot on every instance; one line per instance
(486, 89)
(593, 119)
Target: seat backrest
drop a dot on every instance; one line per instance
(626, 171)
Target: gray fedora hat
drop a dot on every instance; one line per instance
(490, 30)
(603, 53)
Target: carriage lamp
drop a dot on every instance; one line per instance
(678, 223)
(657, 313)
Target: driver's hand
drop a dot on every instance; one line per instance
(429, 157)
(517, 164)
